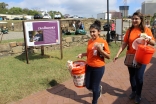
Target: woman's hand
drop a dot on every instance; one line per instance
(115, 58)
(80, 55)
(146, 40)
(99, 47)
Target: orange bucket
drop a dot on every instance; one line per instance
(144, 54)
(78, 73)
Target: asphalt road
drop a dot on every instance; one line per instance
(12, 35)
(19, 35)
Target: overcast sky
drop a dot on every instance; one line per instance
(83, 8)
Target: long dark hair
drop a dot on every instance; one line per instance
(96, 25)
(141, 25)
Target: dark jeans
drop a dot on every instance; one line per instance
(92, 80)
(113, 34)
(136, 78)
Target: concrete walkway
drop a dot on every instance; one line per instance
(116, 88)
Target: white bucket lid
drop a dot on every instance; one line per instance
(136, 42)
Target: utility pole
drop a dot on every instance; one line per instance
(108, 29)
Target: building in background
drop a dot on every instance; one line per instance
(112, 15)
(103, 16)
(139, 10)
(124, 10)
(148, 7)
(115, 14)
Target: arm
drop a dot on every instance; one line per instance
(81, 55)
(104, 50)
(105, 54)
(150, 41)
(122, 47)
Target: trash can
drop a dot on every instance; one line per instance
(106, 27)
(119, 37)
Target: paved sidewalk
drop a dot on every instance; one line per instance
(116, 88)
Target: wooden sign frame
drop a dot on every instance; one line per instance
(42, 33)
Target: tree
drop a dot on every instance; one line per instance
(153, 18)
(51, 13)
(15, 10)
(3, 8)
(3, 5)
(25, 10)
(32, 12)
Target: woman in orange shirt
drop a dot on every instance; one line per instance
(136, 74)
(97, 50)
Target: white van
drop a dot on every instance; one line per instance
(57, 16)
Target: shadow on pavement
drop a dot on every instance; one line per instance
(149, 87)
(65, 92)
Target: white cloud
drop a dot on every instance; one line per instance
(85, 8)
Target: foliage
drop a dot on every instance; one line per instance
(153, 18)
(32, 12)
(52, 13)
(15, 10)
(3, 8)
(18, 10)
(3, 5)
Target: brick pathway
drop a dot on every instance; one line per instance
(116, 88)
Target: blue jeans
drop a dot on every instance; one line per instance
(136, 78)
(92, 80)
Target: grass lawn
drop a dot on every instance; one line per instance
(12, 40)
(19, 79)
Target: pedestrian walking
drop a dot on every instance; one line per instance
(12, 26)
(97, 51)
(136, 74)
(113, 30)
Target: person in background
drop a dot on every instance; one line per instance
(97, 51)
(12, 26)
(113, 30)
(74, 25)
(136, 74)
(153, 29)
(81, 26)
(148, 24)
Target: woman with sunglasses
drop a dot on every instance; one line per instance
(135, 74)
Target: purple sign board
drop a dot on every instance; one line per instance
(39, 33)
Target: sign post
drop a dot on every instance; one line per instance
(42, 33)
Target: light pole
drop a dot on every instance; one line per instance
(108, 29)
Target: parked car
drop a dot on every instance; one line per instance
(16, 18)
(37, 16)
(46, 16)
(57, 16)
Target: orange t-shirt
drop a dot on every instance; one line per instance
(96, 60)
(135, 33)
